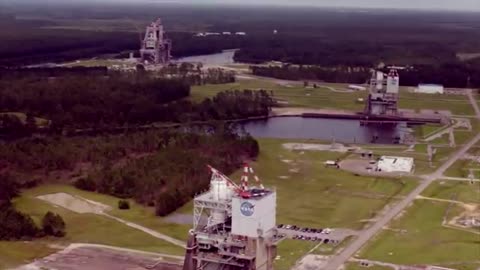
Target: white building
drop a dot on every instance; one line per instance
(430, 89)
(357, 87)
(395, 164)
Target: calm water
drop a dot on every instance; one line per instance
(217, 59)
(346, 131)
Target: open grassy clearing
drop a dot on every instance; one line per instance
(81, 228)
(328, 193)
(460, 191)
(423, 131)
(457, 107)
(461, 168)
(290, 251)
(16, 253)
(418, 237)
(97, 63)
(137, 213)
(298, 96)
(356, 266)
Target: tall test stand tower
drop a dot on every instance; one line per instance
(383, 94)
(155, 48)
(234, 226)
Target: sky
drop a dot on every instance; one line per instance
(465, 5)
(403, 4)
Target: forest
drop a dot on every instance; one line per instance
(161, 168)
(453, 75)
(15, 225)
(74, 103)
(36, 33)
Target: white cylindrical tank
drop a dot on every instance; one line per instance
(220, 190)
(379, 80)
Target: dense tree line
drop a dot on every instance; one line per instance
(194, 74)
(52, 71)
(73, 103)
(89, 101)
(172, 176)
(453, 75)
(16, 225)
(333, 74)
(159, 168)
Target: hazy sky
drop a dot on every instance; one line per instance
(469, 5)
(410, 4)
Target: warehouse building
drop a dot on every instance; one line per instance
(430, 89)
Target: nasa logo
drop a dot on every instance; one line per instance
(247, 209)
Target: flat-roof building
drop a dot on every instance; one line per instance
(430, 89)
(395, 164)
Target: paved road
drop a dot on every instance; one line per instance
(460, 179)
(338, 260)
(473, 102)
(148, 231)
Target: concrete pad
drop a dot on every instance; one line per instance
(75, 204)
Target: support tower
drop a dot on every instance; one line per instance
(383, 96)
(155, 48)
(234, 226)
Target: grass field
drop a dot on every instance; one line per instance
(97, 63)
(295, 95)
(462, 191)
(298, 96)
(137, 213)
(290, 251)
(328, 193)
(309, 194)
(356, 266)
(457, 104)
(16, 253)
(88, 228)
(425, 240)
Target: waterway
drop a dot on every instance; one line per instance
(338, 130)
(216, 59)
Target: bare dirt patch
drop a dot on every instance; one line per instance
(96, 257)
(319, 147)
(75, 204)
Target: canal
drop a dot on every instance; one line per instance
(338, 130)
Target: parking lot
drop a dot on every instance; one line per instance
(325, 235)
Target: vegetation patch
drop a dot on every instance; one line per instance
(418, 237)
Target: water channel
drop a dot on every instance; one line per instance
(216, 59)
(338, 130)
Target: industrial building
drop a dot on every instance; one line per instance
(395, 164)
(155, 48)
(430, 89)
(383, 96)
(234, 226)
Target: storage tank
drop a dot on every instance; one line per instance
(379, 80)
(220, 191)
